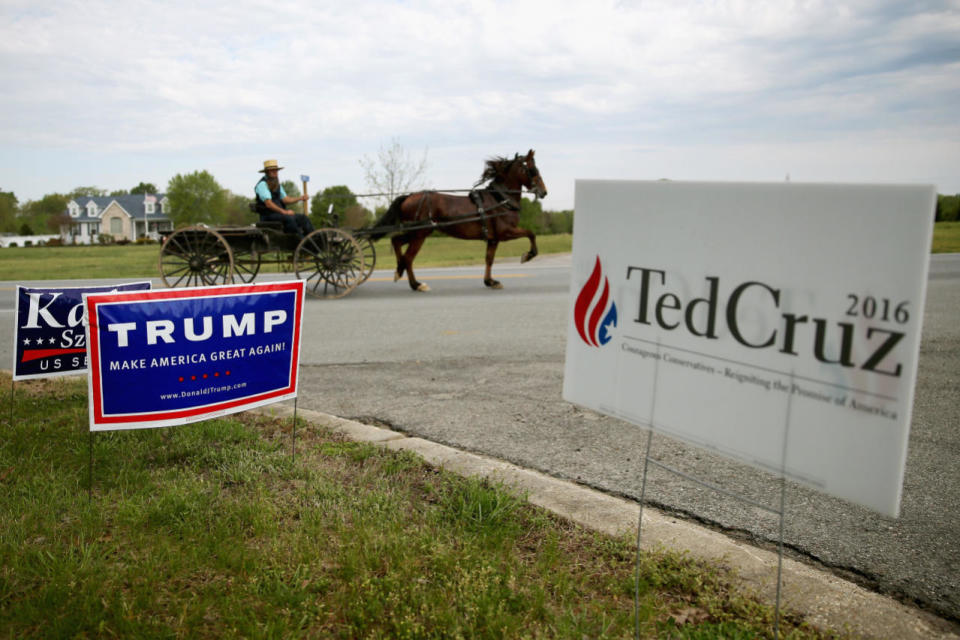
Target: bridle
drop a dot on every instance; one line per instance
(526, 179)
(532, 173)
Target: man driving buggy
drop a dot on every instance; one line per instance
(272, 201)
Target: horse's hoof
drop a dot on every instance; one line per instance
(396, 275)
(493, 284)
(423, 286)
(527, 257)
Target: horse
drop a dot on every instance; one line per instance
(491, 214)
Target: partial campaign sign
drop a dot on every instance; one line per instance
(169, 357)
(49, 338)
(778, 324)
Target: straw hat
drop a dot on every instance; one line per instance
(270, 164)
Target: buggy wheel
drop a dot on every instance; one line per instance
(196, 257)
(246, 263)
(330, 261)
(369, 256)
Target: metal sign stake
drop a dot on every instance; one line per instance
(90, 470)
(781, 512)
(294, 429)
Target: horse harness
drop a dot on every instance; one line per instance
(499, 193)
(502, 200)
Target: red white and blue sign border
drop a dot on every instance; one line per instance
(99, 421)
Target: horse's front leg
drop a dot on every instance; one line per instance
(512, 233)
(487, 275)
(532, 253)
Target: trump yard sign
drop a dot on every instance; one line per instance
(168, 357)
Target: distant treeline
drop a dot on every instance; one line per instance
(948, 208)
(198, 198)
(534, 218)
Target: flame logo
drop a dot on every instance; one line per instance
(592, 316)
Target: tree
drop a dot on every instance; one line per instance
(144, 188)
(340, 197)
(560, 221)
(237, 210)
(393, 172)
(119, 192)
(532, 217)
(8, 211)
(55, 222)
(196, 197)
(86, 192)
(948, 208)
(356, 217)
(38, 213)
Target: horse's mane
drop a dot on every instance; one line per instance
(495, 167)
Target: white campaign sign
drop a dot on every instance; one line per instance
(778, 324)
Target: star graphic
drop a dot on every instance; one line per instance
(605, 330)
(26, 341)
(52, 340)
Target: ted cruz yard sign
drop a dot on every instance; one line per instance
(778, 324)
(49, 338)
(169, 357)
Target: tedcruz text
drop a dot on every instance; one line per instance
(660, 306)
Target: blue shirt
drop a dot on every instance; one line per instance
(263, 191)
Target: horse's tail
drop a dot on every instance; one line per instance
(391, 217)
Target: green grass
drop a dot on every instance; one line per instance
(213, 530)
(946, 237)
(142, 261)
(442, 251)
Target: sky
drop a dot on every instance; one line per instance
(112, 93)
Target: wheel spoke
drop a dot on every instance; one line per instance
(331, 261)
(246, 264)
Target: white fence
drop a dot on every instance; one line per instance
(24, 241)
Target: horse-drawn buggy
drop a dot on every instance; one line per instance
(330, 260)
(334, 261)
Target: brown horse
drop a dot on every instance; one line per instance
(491, 213)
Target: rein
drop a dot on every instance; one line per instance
(397, 195)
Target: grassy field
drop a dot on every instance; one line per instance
(946, 237)
(213, 530)
(138, 261)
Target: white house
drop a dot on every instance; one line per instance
(123, 217)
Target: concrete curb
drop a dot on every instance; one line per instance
(825, 600)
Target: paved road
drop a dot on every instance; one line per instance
(482, 370)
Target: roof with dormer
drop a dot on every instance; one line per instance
(135, 206)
